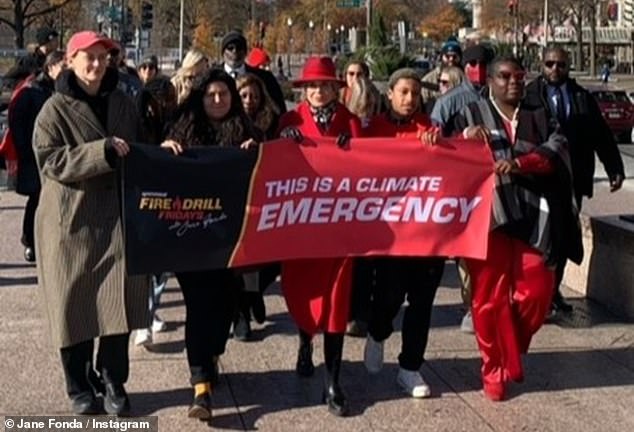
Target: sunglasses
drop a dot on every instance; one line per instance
(353, 73)
(233, 47)
(551, 63)
(443, 82)
(506, 75)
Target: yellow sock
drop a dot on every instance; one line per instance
(201, 388)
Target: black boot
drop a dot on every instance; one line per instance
(241, 328)
(116, 400)
(86, 404)
(305, 366)
(201, 406)
(242, 319)
(559, 303)
(333, 396)
(257, 307)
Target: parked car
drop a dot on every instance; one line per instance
(618, 112)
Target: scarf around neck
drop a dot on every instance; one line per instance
(323, 115)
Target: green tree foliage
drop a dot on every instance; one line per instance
(378, 32)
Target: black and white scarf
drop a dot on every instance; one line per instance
(538, 209)
(323, 115)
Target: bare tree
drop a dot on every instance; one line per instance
(19, 15)
(582, 12)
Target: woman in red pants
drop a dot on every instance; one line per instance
(317, 291)
(533, 223)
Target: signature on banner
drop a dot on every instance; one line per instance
(181, 228)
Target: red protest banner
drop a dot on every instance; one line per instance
(382, 196)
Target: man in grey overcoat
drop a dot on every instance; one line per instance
(80, 135)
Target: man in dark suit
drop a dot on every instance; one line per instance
(234, 52)
(574, 110)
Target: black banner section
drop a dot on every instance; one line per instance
(158, 215)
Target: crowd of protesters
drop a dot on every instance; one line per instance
(78, 111)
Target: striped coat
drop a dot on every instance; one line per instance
(78, 229)
(537, 209)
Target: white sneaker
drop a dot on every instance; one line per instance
(373, 355)
(158, 325)
(143, 337)
(412, 383)
(466, 326)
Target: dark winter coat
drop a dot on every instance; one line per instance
(586, 131)
(21, 122)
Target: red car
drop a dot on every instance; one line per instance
(618, 112)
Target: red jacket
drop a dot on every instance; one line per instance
(382, 126)
(317, 291)
(301, 118)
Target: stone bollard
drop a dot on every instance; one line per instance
(610, 263)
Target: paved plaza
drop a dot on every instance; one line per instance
(579, 372)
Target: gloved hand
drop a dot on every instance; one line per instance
(343, 139)
(292, 132)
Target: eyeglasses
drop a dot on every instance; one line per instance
(443, 82)
(354, 73)
(507, 75)
(232, 47)
(551, 63)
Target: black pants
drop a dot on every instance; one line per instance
(113, 364)
(266, 276)
(363, 277)
(210, 302)
(416, 279)
(28, 222)
(561, 265)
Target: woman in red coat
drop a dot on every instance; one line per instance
(317, 291)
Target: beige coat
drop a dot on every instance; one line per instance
(432, 78)
(78, 228)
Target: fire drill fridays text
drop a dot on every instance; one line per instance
(403, 205)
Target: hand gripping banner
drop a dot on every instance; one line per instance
(219, 207)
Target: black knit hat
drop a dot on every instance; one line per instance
(45, 35)
(452, 46)
(150, 60)
(478, 53)
(234, 37)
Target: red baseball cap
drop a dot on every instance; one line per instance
(84, 40)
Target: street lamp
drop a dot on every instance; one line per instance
(328, 38)
(311, 25)
(343, 38)
(289, 23)
(425, 34)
